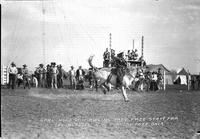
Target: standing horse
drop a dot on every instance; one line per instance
(101, 75)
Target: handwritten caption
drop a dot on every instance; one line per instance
(137, 121)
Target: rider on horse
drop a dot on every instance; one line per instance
(120, 66)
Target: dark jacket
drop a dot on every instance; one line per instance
(78, 73)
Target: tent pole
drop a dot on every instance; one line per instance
(110, 44)
(164, 81)
(188, 81)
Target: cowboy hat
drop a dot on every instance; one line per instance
(12, 63)
(41, 65)
(53, 63)
(24, 65)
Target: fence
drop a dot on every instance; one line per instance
(4, 75)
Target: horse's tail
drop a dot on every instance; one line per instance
(90, 62)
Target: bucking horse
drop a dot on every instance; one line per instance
(101, 76)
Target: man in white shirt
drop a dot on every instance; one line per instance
(42, 75)
(54, 73)
(72, 78)
(12, 75)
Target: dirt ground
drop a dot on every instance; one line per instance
(62, 113)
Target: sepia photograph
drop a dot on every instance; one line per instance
(100, 69)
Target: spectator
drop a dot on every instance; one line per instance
(54, 73)
(12, 75)
(26, 78)
(80, 76)
(72, 77)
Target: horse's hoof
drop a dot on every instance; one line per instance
(127, 100)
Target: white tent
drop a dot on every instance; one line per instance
(168, 74)
(181, 77)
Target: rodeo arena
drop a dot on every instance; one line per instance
(124, 98)
(50, 94)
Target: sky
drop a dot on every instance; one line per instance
(71, 30)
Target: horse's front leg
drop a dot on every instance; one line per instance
(96, 84)
(124, 94)
(102, 86)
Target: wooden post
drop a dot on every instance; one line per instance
(110, 44)
(142, 46)
(164, 87)
(188, 81)
(43, 33)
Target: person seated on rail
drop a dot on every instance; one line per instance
(112, 57)
(106, 57)
(134, 55)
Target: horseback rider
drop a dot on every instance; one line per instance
(120, 66)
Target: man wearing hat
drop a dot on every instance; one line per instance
(120, 65)
(26, 78)
(60, 76)
(48, 76)
(80, 73)
(154, 86)
(134, 54)
(42, 75)
(54, 73)
(72, 77)
(12, 75)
